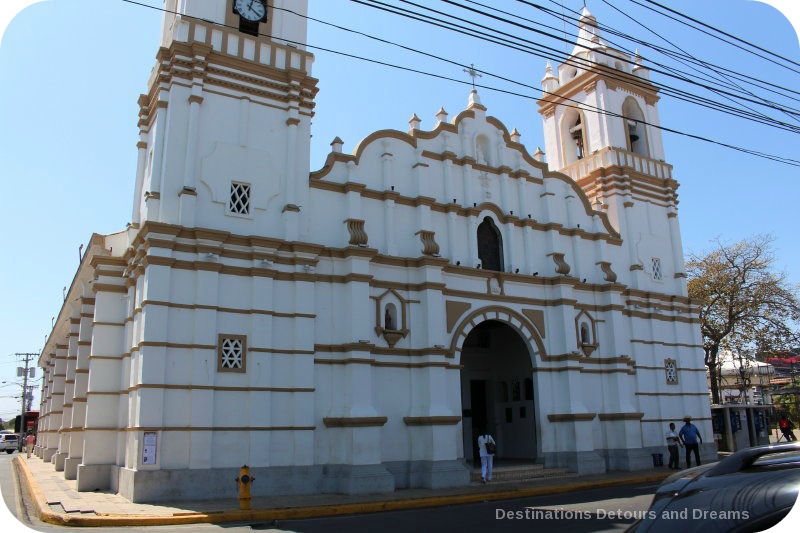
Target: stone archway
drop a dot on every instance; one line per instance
(497, 350)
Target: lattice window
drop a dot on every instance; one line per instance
(239, 202)
(232, 353)
(656, 264)
(671, 370)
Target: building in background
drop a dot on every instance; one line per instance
(353, 329)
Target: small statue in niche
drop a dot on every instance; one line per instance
(387, 320)
(481, 155)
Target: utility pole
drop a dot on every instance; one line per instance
(27, 357)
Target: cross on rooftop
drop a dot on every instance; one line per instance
(472, 73)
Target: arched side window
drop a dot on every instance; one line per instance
(490, 246)
(574, 136)
(635, 131)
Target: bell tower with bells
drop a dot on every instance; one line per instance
(224, 128)
(599, 110)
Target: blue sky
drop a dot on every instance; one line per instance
(71, 72)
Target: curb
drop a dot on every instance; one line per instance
(45, 514)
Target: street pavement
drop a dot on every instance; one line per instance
(585, 503)
(595, 510)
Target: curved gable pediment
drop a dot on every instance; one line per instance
(458, 140)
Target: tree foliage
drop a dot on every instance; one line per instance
(746, 306)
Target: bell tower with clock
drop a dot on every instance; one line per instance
(224, 128)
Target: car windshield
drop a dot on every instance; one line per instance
(778, 458)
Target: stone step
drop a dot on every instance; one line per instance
(522, 473)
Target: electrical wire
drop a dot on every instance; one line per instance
(715, 36)
(724, 33)
(601, 52)
(682, 56)
(672, 54)
(618, 46)
(772, 157)
(574, 61)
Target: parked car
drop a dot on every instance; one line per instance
(9, 442)
(750, 490)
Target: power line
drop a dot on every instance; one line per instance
(682, 56)
(793, 111)
(748, 43)
(607, 29)
(574, 21)
(715, 36)
(570, 60)
(772, 157)
(719, 76)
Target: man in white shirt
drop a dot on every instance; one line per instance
(672, 445)
(487, 456)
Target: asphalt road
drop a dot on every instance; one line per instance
(593, 510)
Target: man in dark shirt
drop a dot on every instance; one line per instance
(690, 436)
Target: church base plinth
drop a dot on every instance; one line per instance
(48, 453)
(195, 484)
(632, 459)
(59, 459)
(71, 468)
(97, 477)
(428, 474)
(582, 463)
(358, 479)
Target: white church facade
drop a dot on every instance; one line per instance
(353, 329)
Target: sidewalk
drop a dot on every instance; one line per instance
(56, 501)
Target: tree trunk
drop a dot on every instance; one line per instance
(713, 373)
(713, 378)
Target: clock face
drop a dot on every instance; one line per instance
(252, 10)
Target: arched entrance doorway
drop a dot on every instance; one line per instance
(497, 393)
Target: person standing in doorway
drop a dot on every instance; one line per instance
(486, 448)
(672, 445)
(30, 440)
(691, 439)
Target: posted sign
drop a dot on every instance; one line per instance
(149, 448)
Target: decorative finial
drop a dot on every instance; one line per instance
(336, 145)
(515, 135)
(538, 155)
(414, 122)
(441, 115)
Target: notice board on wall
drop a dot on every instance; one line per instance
(149, 448)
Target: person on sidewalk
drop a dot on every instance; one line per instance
(691, 439)
(787, 428)
(672, 445)
(30, 440)
(486, 449)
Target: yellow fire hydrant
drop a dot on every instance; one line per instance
(244, 480)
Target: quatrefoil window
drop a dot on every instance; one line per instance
(231, 353)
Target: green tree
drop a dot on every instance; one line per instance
(745, 305)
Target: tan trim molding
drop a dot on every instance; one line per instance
(354, 422)
(571, 417)
(620, 416)
(431, 420)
